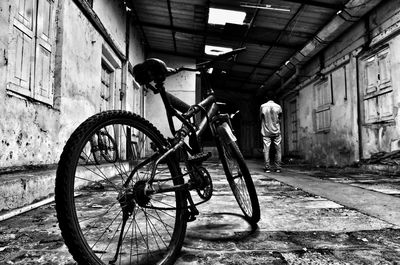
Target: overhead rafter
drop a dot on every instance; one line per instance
(316, 3)
(206, 23)
(196, 56)
(137, 21)
(171, 22)
(271, 68)
(277, 39)
(304, 2)
(215, 34)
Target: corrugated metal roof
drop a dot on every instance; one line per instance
(271, 37)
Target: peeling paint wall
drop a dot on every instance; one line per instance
(384, 135)
(341, 144)
(113, 16)
(80, 75)
(338, 145)
(28, 129)
(33, 133)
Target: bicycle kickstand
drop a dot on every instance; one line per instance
(192, 210)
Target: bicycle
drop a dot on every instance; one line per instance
(135, 210)
(103, 147)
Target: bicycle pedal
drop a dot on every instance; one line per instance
(191, 218)
(199, 157)
(191, 215)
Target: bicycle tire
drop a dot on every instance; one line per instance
(85, 206)
(240, 181)
(110, 145)
(95, 150)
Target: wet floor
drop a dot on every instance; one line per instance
(296, 226)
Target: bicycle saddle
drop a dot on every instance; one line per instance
(150, 70)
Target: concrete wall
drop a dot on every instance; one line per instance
(338, 145)
(33, 133)
(113, 16)
(182, 85)
(384, 136)
(28, 129)
(341, 144)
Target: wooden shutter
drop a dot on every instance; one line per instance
(21, 48)
(384, 76)
(43, 66)
(371, 75)
(106, 87)
(323, 100)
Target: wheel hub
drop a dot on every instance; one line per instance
(139, 193)
(131, 197)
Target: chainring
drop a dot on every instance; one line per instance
(205, 189)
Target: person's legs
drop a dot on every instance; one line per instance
(267, 144)
(278, 151)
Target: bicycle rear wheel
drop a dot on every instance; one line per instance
(103, 222)
(240, 181)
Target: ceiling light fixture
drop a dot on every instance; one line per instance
(222, 16)
(263, 6)
(216, 50)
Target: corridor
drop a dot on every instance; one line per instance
(308, 216)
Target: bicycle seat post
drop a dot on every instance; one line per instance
(168, 107)
(205, 77)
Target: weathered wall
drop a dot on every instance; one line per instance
(182, 85)
(28, 129)
(337, 146)
(80, 73)
(384, 136)
(113, 16)
(340, 145)
(134, 91)
(32, 133)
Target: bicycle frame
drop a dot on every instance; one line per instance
(219, 124)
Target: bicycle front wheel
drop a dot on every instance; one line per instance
(240, 181)
(104, 221)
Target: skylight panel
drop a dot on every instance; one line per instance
(222, 16)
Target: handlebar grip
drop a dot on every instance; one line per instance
(177, 103)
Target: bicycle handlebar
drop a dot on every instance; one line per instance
(222, 57)
(206, 64)
(156, 70)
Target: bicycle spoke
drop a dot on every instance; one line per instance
(117, 224)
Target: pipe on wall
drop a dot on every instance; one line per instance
(354, 10)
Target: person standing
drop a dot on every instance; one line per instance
(270, 113)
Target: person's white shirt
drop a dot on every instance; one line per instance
(270, 112)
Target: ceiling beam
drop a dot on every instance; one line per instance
(277, 39)
(304, 2)
(216, 34)
(316, 3)
(272, 68)
(171, 22)
(137, 21)
(205, 57)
